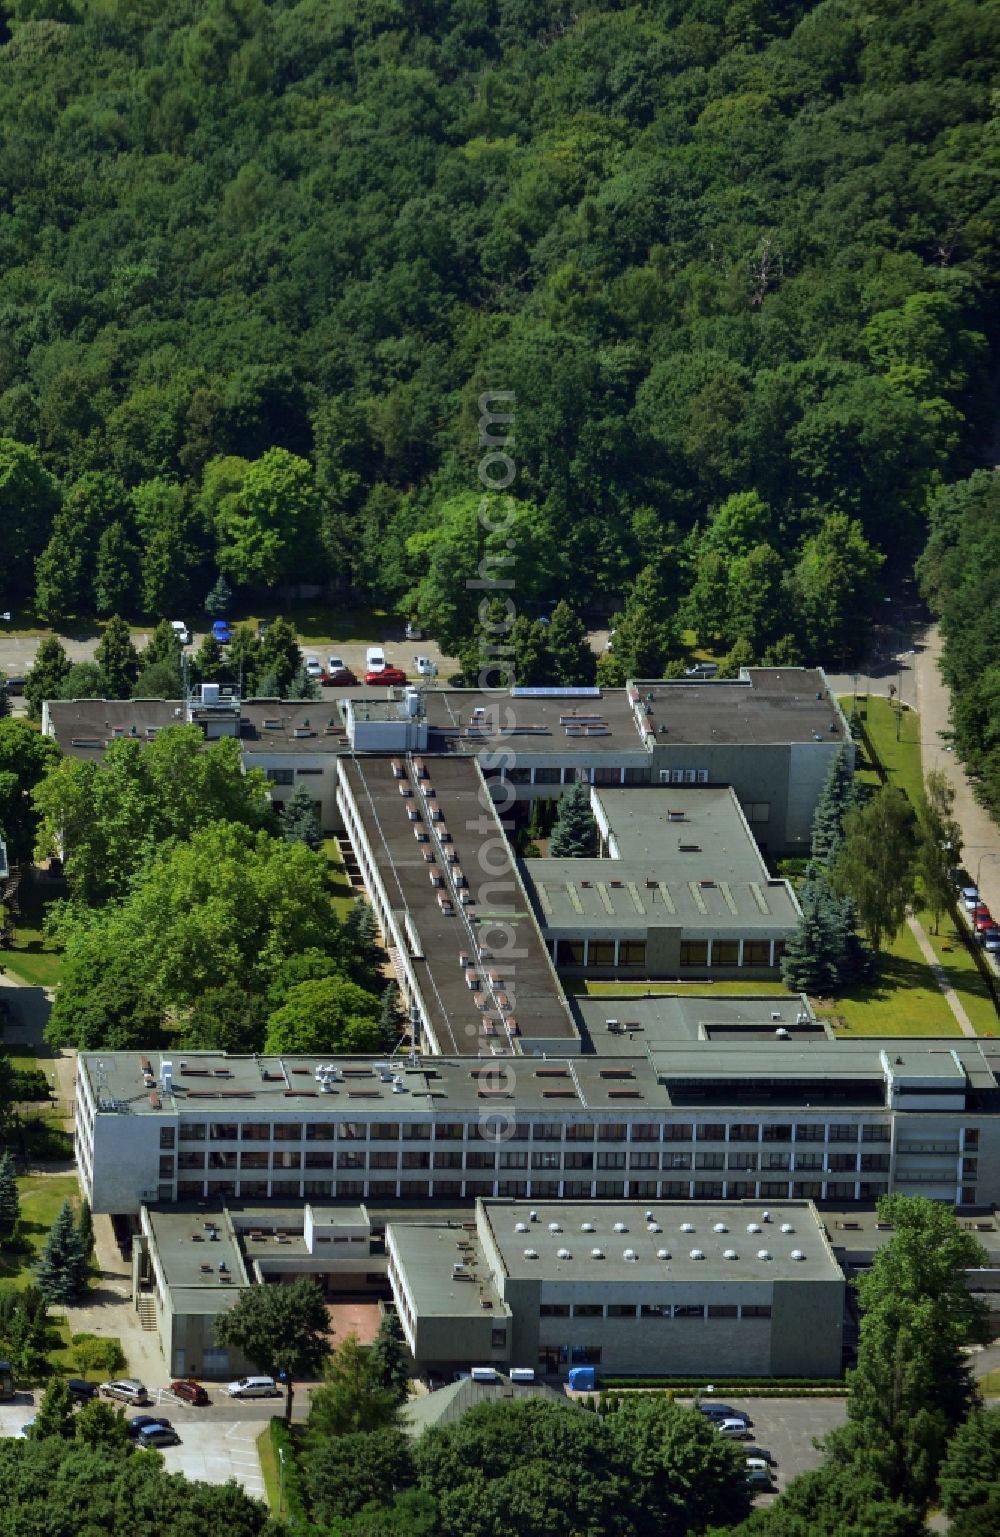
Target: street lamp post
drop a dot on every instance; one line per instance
(979, 866)
(281, 1479)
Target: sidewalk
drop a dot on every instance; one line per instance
(949, 994)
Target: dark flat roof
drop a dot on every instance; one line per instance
(766, 706)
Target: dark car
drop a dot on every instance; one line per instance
(143, 1422)
(719, 1411)
(340, 675)
(160, 1433)
(81, 1391)
(762, 1453)
(191, 1392)
(15, 686)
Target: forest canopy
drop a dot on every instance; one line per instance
(262, 260)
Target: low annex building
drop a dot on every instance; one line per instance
(724, 1288)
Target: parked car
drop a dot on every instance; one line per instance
(339, 676)
(128, 1389)
(253, 1387)
(160, 1434)
(759, 1478)
(762, 1453)
(991, 941)
(81, 1391)
(336, 664)
(15, 686)
(386, 675)
(312, 667)
(425, 667)
(983, 921)
(970, 898)
(221, 632)
(374, 659)
(718, 1411)
(702, 670)
(142, 1422)
(733, 1429)
(181, 630)
(191, 1392)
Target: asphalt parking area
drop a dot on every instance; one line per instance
(215, 1451)
(787, 1427)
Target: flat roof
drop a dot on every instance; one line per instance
(859, 1231)
(391, 822)
(680, 857)
(661, 1236)
(445, 1271)
(765, 706)
(199, 1257)
(548, 722)
(639, 1024)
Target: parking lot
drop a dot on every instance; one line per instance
(787, 1427)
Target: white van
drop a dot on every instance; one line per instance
(254, 1387)
(374, 659)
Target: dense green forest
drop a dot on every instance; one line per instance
(261, 260)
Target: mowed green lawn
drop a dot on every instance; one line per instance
(41, 1197)
(28, 960)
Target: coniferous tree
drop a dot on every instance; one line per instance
(387, 1363)
(299, 822)
(117, 658)
(55, 1415)
(302, 686)
(571, 658)
(218, 601)
(62, 1270)
(85, 1228)
(4, 696)
(574, 835)
(391, 1019)
(836, 800)
(10, 1201)
(47, 675)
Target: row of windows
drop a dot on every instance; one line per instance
(654, 1310)
(523, 1131)
(538, 1189)
(693, 952)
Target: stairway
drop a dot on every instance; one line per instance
(146, 1309)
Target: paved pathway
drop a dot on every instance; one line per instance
(940, 976)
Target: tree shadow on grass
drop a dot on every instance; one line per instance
(896, 974)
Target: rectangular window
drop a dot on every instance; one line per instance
(224, 1131)
(646, 1189)
(218, 1190)
(611, 1160)
(382, 1189)
(772, 1189)
(554, 1310)
(385, 1131)
(601, 952)
(742, 1162)
(546, 1160)
(632, 952)
(321, 1188)
(807, 1190)
(322, 1131)
(287, 1160)
(756, 952)
(689, 1310)
(871, 1190)
(416, 1160)
(253, 1160)
(195, 1133)
(222, 1160)
(285, 1132)
(498, 1339)
(253, 1189)
(678, 1131)
(280, 776)
(569, 952)
(654, 1310)
(287, 1189)
(677, 1160)
(708, 1190)
(167, 1168)
(513, 1160)
(694, 952)
(622, 1310)
(644, 1160)
(446, 1189)
(255, 1131)
(710, 1160)
(350, 1160)
(645, 1131)
(578, 1161)
(190, 1161)
(545, 1189)
(970, 1168)
(166, 1137)
(319, 1160)
(190, 1189)
(511, 1189)
(580, 1131)
(776, 1161)
(971, 1136)
(384, 1161)
(449, 1131)
(744, 1131)
(576, 1189)
(725, 952)
(756, 1310)
(546, 1131)
(877, 1134)
(609, 1189)
(723, 1310)
(480, 1160)
(416, 1131)
(840, 1190)
(810, 1132)
(712, 1131)
(739, 1189)
(843, 1134)
(588, 1310)
(612, 1131)
(780, 1133)
(874, 1163)
(758, 811)
(448, 1160)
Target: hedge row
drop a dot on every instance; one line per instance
(291, 1479)
(688, 1385)
(610, 1399)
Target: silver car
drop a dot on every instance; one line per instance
(128, 1389)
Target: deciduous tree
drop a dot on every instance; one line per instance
(875, 865)
(282, 1329)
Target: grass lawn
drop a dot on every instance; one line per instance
(582, 985)
(990, 1384)
(963, 974)
(902, 758)
(41, 1197)
(268, 1467)
(904, 1000)
(342, 893)
(28, 961)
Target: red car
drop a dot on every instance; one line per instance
(982, 921)
(387, 676)
(191, 1392)
(342, 675)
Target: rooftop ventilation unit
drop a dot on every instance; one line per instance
(630, 1255)
(797, 1254)
(729, 1254)
(555, 1227)
(621, 1227)
(786, 1227)
(663, 1253)
(520, 1227)
(776, 1015)
(782, 1034)
(597, 1253)
(653, 1227)
(687, 1227)
(563, 1254)
(649, 1216)
(697, 1254)
(531, 1253)
(753, 1227)
(720, 1227)
(587, 1227)
(763, 1254)
(533, 1216)
(765, 1216)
